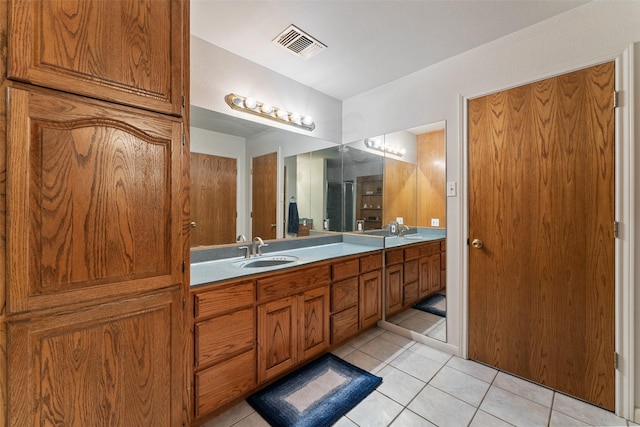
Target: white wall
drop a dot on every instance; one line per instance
(223, 145)
(595, 32)
(216, 72)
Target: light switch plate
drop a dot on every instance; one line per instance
(452, 189)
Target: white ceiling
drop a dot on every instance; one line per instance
(370, 43)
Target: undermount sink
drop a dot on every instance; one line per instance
(413, 237)
(266, 261)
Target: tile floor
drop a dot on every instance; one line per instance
(421, 322)
(423, 386)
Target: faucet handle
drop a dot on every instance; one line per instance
(247, 249)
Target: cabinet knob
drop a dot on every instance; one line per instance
(193, 224)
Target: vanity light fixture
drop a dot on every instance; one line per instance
(262, 109)
(376, 144)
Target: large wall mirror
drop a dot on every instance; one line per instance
(249, 180)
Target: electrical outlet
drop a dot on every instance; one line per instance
(400, 220)
(435, 222)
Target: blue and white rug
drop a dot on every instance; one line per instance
(316, 395)
(435, 304)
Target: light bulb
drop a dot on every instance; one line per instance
(266, 108)
(295, 118)
(307, 120)
(282, 115)
(250, 103)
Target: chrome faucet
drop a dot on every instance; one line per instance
(247, 253)
(402, 229)
(241, 238)
(257, 246)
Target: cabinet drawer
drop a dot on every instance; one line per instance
(344, 294)
(223, 299)
(224, 382)
(370, 263)
(224, 336)
(344, 270)
(393, 257)
(430, 249)
(412, 252)
(411, 269)
(410, 294)
(344, 325)
(297, 281)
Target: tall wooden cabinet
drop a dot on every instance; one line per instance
(96, 172)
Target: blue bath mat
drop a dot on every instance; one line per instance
(435, 304)
(316, 395)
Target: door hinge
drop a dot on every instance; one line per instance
(615, 99)
(616, 229)
(616, 363)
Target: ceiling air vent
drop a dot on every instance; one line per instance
(299, 43)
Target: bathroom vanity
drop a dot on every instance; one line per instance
(252, 325)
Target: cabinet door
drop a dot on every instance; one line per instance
(114, 364)
(277, 337)
(126, 51)
(94, 200)
(429, 275)
(393, 283)
(314, 335)
(370, 298)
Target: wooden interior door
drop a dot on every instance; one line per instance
(213, 199)
(541, 200)
(264, 179)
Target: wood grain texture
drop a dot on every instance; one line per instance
(277, 337)
(393, 283)
(222, 337)
(541, 177)
(108, 365)
(3, 210)
(314, 336)
(78, 169)
(213, 199)
(119, 50)
(370, 298)
(399, 191)
(431, 177)
(264, 196)
(344, 294)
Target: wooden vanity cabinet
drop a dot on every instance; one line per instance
(293, 319)
(356, 296)
(429, 277)
(412, 273)
(224, 344)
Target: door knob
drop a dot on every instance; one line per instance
(193, 223)
(273, 225)
(477, 243)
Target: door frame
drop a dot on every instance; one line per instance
(624, 178)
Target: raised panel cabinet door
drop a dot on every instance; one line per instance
(94, 200)
(314, 335)
(370, 298)
(277, 337)
(429, 275)
(125, 51)
(112, 365)
(393, 283)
